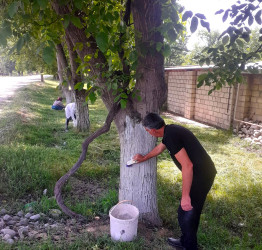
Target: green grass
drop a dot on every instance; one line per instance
(35, 152)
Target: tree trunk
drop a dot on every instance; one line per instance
(64, 73)
(82, 112)
(42, 77)
(138, 183)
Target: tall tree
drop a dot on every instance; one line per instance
(120, 47)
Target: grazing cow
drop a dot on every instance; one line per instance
(70, 113)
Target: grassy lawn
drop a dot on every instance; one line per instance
(35, 152)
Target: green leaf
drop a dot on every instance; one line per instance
(159, 46)
(117, 98)
(6, 30)
(66, 21)
(109, 17)
(225, 16)
(200, 16)
(172, 35)
(205, 25)
(179, 27)
(123, 103)
(92, 97)
(186, 15)
(194, 24)
(219, 11)
(200, 84)
(12, 9)
(3, 41)
(48, 55)
(124, 95)
(114, 85)
(240, 43)
(35, 7)
(102, 41)
(79, 86)
(246, 37)
(202, 77)
(76, 21)
(225, 39)
(116, 14)
(250, 20)
(258, 17)
(210, 91)
(42, 3)
(78, 4)
(166, 51)
(20, 44)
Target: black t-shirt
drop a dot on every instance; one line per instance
(177, 137)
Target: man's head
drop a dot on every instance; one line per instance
(154, 124)
(59, 99)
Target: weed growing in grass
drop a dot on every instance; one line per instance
(45, 204)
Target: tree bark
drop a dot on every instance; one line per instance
(138, 183)
(64, 73)
(82, 112)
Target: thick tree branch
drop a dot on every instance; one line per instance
(60, 183)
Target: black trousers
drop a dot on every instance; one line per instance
(189, 220)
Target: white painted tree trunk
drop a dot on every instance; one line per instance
(82, 112)
(138, 183)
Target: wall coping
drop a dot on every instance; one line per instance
(189, 68)
(206, 67)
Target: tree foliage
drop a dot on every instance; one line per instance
(231, 57)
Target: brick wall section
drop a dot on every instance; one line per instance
(217, 109)
(255, 107)
(243, 101)
(214, 109)
(180, 92)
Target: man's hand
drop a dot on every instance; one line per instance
(138, 158)
(186, 203)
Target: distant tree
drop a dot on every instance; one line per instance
(178, 52)
(7, 64)
(206, 39)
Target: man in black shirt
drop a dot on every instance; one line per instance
(198, 173)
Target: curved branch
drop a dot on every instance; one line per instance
(60, 183)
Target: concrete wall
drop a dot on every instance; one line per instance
(217, 109)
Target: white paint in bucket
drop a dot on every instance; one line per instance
(123, 222)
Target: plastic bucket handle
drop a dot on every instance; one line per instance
(120, 202)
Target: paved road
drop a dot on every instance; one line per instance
(9, 84)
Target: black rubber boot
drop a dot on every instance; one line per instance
(188, 222)
(175, 243)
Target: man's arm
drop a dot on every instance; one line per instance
(155, 152)
(187, 177)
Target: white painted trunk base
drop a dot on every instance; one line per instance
(138, 183)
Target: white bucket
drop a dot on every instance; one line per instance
(123, 222)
